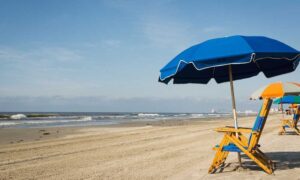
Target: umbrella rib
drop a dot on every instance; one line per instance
(254, 60)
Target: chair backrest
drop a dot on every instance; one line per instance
(296, 114)
(259, 123)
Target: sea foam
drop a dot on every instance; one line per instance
(86, 118)
(8, 123)
(147, 115)
(18, 116)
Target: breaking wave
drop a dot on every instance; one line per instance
(148, 115)
(86, 118)
(18, 116)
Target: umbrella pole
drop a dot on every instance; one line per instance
(234, 108)
(282, 112)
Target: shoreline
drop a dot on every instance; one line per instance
(12, 135)
(101, 118)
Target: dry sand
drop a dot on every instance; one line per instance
(178, 150)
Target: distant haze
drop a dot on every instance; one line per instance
(100, 104)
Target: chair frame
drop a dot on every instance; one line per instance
(240, 143)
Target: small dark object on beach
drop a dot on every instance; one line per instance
(42, 130)
(46, 133)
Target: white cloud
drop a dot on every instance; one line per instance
(166, 33)
(58, 54)
(10, 54)
(111, 43)
(136, 6)
(43, 70)
(176, 34)
(213, 29)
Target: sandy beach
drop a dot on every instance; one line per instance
(164, 150)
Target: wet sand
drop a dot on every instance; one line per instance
(160, 150)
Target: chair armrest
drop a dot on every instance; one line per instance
(286, 120)
(244, 128)
(232, 129)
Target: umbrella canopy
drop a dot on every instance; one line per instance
(248, 55)
(277, 90)
(287, 100)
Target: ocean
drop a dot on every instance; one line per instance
(59, 119)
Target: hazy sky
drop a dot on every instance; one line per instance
(71, 55)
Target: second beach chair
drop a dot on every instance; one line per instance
(291, 123)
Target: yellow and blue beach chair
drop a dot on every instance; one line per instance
(291, 123)
(234, 140)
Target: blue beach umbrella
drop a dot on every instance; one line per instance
(228, 59)
(247, 55)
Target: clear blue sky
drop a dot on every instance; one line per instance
(71, 55)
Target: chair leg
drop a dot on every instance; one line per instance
(282, 128)
(266, 166)
(257, 159)
(265, 158)
(296, 130)
(281, 131)
(220, 156)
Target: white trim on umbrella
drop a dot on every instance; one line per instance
(252, 58)
(291, 88)
(257, 94)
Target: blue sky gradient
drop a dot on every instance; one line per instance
(106, 55)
